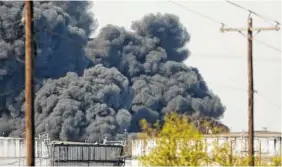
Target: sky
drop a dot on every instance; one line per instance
(221, 57)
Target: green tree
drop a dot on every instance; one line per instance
(179, 143)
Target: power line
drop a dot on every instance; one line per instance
(193, 11)
(251, 91)
(267, 99)
(51, 32)
(12, 91)
(81, 45)
(212, 56)
(197, 13)
(259, 15)
(20, 88)
(208, 83)
(268, 45)
(229, 87)
(246, 91)
(222, 24)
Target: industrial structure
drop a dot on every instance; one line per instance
(266, 143)
(65, 153)
(61, 153)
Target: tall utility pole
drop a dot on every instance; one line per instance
(250, 31)
(251, 93)
(29, 105)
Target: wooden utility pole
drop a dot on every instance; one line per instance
(250, 31)
(251, 94)
(29, 105)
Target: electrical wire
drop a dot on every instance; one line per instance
(208, 83)
(267, 99)
(199, 55)
(268, 45)
(19, 88)
(193, 11)
(222, 24)
(12, 91)
(216, 21)
(81, 45)
(255, 13)
(246, 91)
(190, 10)
(228, 86)
(197, 13)
(234, 88)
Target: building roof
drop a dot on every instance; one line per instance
(107, 144)
(261, 134)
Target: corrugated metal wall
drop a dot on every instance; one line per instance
(16, 148)
(267, 146)
(13, 153)
(88, 155)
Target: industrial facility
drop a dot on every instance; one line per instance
(65, 153)
(60, 153)
(266, 143)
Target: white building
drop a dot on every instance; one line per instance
(13, 152)
(60, 153)
(267, 143)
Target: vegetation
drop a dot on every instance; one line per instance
(179, 143)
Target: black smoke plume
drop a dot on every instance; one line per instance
(87, 90)
(151, 57)
(55, 56)
(88, 107)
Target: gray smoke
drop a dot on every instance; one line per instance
(89, 107)
(80, 13)
(171, 34)
(55, 55)
(87, 90)
(151, 57)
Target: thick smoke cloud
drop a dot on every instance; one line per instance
(81, 15)
(87, 90)
(89, 107)
(55, 31)
(151, 57)
(168, 30)
(55, 56)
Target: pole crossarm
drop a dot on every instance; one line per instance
(253, 29)
(250, 29)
